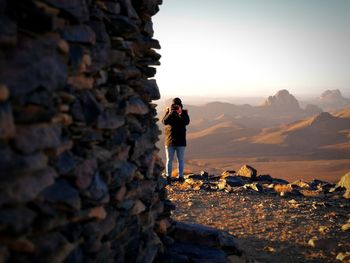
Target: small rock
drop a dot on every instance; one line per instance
(301, 184)
(255, 186)
(63, 46)
(328, 244)
(138, 208)
(110, 119)
(62, 193)
(136, 106)
(7, 126)
(16, 220)
(346, 226)
(81, 82)
(343, 257)
(97, 190)
(228, 173)
(4, 93)
(75, 10)
(79, 33)
(98, 213)
(22, 189)
(235, 181)
(151, 87)
(323, 229)
(221, 184)
(269, 249)
(21, 245)
(126, 205)
(84, 173)
(119, 195)
(37, 137)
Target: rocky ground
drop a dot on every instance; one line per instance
(273, 220)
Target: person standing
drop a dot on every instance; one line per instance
(175, 120)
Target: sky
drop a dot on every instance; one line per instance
(253, 47)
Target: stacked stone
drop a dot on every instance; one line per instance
(80, 176)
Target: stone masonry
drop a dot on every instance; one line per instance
(80, 175)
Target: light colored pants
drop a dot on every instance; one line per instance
(180, 154)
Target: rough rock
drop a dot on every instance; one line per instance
(247, 171)
(344, 183)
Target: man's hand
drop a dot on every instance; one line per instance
(179, 110)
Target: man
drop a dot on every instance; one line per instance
(175, 120)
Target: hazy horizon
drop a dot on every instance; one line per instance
(253, 48)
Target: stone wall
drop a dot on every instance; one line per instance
(80, 176)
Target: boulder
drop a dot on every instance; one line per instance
(247, 171)
(344, 183)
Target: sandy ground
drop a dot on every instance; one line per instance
(270, 228)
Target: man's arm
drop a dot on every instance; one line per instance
(169, 117)
(185, 118)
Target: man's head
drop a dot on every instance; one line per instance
(178, 102)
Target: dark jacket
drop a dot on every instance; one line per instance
(175, 127)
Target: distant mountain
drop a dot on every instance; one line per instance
(316, 135)
(331, 100)
(279, 127)
(282, 101)
(324, 135)
(281, 108)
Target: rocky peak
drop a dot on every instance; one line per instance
(282, 100)
(323, 118)
(333, 100)
(331, 95)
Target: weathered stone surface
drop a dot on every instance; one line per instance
(81, 82)
(37, 137)
(26, 188)
(74, 95)
(21, 75)
(90, 108)
(8, 32)
(247, 171)
(4, 93)
(13, 163)
(100, 31)
(97, 190)
(62, 193)
(138, 208)
(110, 119)
(130, 9)
(84, 173)
(121, 26)
(65, 162)
(123, 174)
(79, 33)
(136, 106)
(150, 7)
(16, 220)
(7, 127)
(77, 9)
(151, 87)
(235, 181)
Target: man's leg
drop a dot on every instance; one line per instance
(180, 154)
(169, 151)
